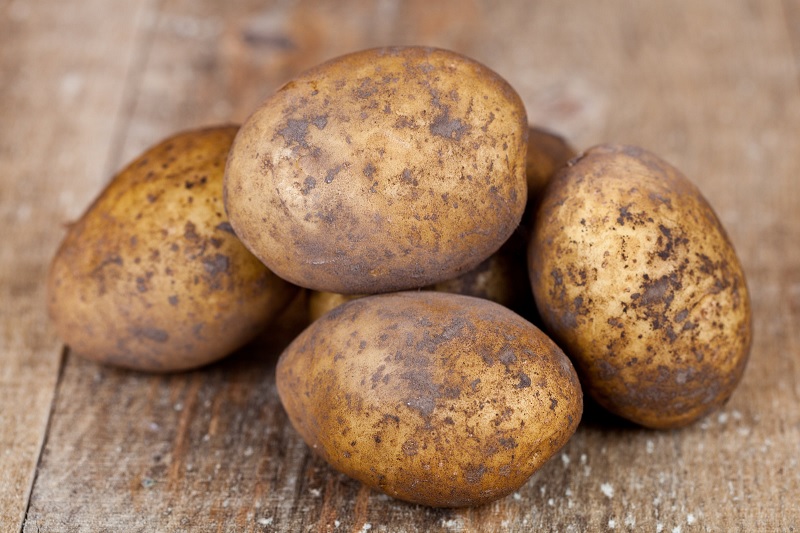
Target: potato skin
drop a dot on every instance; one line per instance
(151, 277)
(547, 154)
(636, 279)
(320, 302)
(438, 399)
(382, 170)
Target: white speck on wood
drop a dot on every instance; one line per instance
(265, 521)
(612, 523)
(607, 490)
(650, 446)
(690, 519)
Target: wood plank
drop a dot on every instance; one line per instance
(57, 94)
(710, 86)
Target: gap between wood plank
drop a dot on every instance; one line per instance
(61, 365)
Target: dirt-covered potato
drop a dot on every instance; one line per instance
(547, 153)
(152, 276)
(636, 279)
(320, 302)
(382, 170)
(433, 398)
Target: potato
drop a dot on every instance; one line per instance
(547, 153)
(152, 277)
(382, 170)
(636, 279)
(438, 399)
(320, 302)
(503, 276)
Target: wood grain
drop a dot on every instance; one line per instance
(58, 97)
(712, 87)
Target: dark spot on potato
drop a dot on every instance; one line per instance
(308, 185)
(409, 447)
(553, 403)
(624, 215)
(450, 331)
(507, 356)
(329, 177)
(524, 381)
(408, 178)
(654, 292)
(507, 442)
(216, 264)
(190, 232)
(424, 404)
(369, 170)
(153, 334)
(365, 89)
(294, 132)
(141, 286)
(473, 474)
(671, 335)
(449, 128)
(320, 121)
(173, 300)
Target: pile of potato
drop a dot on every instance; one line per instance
(405, 188)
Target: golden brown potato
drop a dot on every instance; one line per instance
(638, 282)
(320, 302)
(382, 170)
(433, 398)
(547, 154)
(152, 277)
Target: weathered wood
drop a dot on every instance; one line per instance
(711, 86)
(58, 97)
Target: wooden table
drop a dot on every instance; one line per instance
(712, 86)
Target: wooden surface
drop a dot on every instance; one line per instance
(713, 86)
